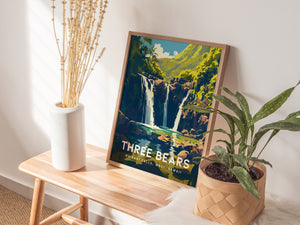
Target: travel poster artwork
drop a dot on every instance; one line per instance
(154, 129)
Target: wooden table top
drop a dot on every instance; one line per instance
(130, 191)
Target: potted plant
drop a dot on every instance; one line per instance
(231, 183)
(79, 51)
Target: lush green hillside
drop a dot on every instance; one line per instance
(205, 76)
(189, 58)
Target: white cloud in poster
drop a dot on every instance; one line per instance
(160, 52)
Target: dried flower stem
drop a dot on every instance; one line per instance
(81, 27)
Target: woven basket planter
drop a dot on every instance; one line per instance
(228, 203)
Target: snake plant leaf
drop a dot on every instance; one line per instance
(255, 159)
(209, 159)
(274, 132)
(274, 104)
(229, 119)
(242, 147)
(290, 116)
(293, 115)
(245, 109)
(244, 106)
(229, 92)
(291, 124)
(196, 160)
(232, 121)
(230, 149)
(200, 109)
(222, 155)
(241, 126)
(272, 135)
(230, 105)
(217, 130)
(236, 132)
(238, 141)
(241, 159)
(259, 134)
(245, 180)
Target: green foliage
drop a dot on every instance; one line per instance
(222, 155)
(153, 68)
(189, 58)
(208, 67)
(196, 63)
(186, 75)
(143, 58)
(242, 141)
(273, 105)
(204, 75)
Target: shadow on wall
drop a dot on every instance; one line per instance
(20, 137)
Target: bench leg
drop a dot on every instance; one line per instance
(84, 210)
(37, 202)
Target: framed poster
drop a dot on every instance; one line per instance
(153, 130)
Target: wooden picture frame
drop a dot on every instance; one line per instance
(153, 129)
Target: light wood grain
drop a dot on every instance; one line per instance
(58, 215)
(84, 209)
(37, 202)
(74, 221)
(127, 190)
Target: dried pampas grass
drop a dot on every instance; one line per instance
(79, 47)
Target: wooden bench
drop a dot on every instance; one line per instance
(127, 190)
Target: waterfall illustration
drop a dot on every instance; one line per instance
(149, 111)
(178, 116)
(165, 117)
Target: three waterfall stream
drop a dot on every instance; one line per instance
(148, 85)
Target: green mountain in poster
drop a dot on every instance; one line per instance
(189, 58)
(154, 131)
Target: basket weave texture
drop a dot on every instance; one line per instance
(228, 203)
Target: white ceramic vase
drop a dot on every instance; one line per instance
(67, 137)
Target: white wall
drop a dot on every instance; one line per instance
(264, 59)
